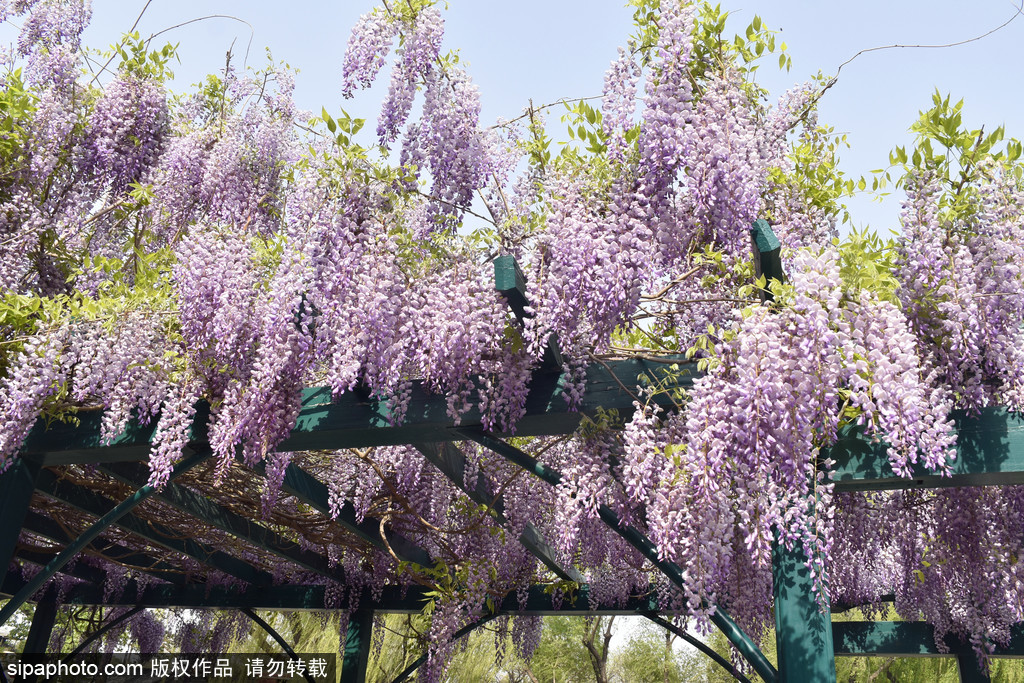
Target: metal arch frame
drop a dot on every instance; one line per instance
(991, 453)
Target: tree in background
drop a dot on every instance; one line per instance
(650, 657)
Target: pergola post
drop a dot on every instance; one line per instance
(970, 669)
(16, 487)
(803, 628)
(358, 639)
(38, 639)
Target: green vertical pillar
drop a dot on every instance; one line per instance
(970, 670)
(357, 647)
(803, 632)
(16, 487)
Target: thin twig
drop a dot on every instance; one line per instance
(252, 31)
(677, 281)
(134, 25)
(832, 81)
(532, 109)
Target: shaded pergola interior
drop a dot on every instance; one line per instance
(81, 498)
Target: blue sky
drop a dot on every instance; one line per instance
(549, 49)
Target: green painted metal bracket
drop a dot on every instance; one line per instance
(358, 640)
(989, 452)
(803, 634)
(98, 633)
(452, 463)
(638, 540)
(94, 504)
(113, 552)
(699, 644)
(276, 636)
(106, 519)
(204, 509)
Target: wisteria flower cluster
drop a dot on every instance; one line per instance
(167, 258)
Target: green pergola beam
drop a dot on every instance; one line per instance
(296, 597)
(510, 282)
(639, 541)
(106, 518)
(358, 420)
(112, 552)
(767, 256)
(452, 463)
(990, 447)
(989, 452)
(204, 509)
(94, 504)
(909, 639)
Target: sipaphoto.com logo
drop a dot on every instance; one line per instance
(21, 670)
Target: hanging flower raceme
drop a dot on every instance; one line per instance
(35, 374)
(667, 137)
(962, 287)
(619, 103)
(215, 283)
(949, 555)
(126, 131)
(454, 148)
(593, 263)
(748, 472)
(419, 54)
(368, 47)
(725, 168)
